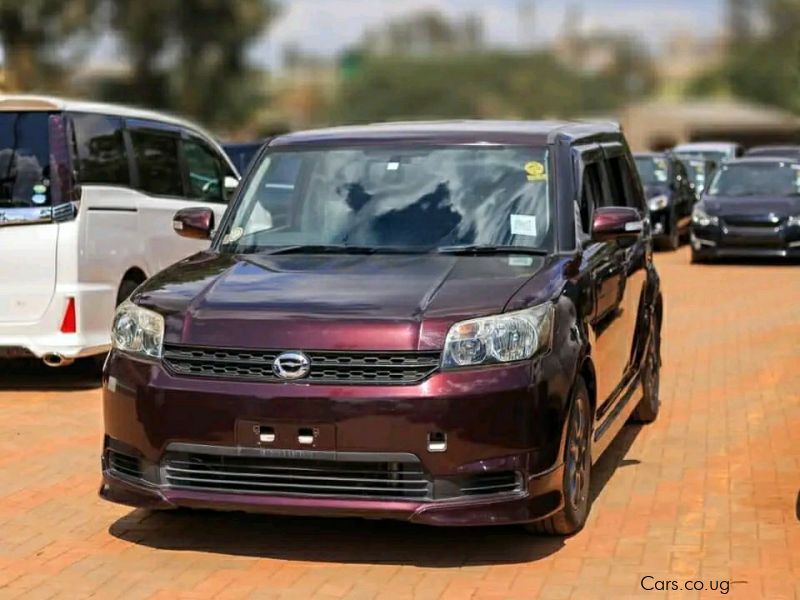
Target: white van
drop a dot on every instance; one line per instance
(87, 196)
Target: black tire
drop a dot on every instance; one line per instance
(647, 409)
(577, 470)
(125, 289)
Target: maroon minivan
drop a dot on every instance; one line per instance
(445, 323)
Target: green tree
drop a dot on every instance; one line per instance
(189, 55)
(32, 31)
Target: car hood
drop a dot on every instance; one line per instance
(332, 302)
(780, 206)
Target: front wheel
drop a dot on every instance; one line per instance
(577, 468)
(647, 409)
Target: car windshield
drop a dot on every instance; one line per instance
(399, 198)
(653, 170)
(757, 179)
(24, 159)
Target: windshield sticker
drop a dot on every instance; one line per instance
(38, 198)
(535, 171)
(392, 166)
(523, 225)
(39, 188)
(520, 261)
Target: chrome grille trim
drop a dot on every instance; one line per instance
(346, 367)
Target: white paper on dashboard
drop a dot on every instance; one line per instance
(523, 225)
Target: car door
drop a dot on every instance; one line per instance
(621, 278)
(164, 182)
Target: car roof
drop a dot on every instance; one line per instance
(697, 146)
(29, 102)
(774, 148)
(465, 131)
(762, 160)
(652, 155)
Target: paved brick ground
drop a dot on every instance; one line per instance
(710, 492)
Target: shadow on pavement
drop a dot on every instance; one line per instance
(31, 374)
(352, 540)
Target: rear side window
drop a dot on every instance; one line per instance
(156, 155)
(100, 149)
(24, 159)
(206, 172)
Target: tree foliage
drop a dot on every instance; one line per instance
(491, 84)
(762, 67)
(189, 55)
(31, 32)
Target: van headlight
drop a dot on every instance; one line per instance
(137, 330)
(658, 202)
(794, 221)
(702, 218)
(502, 338)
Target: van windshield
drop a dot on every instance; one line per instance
(417, 198)
(24, 159)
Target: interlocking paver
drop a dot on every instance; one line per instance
(709, 492)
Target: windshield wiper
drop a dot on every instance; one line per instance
(329, 249)
(476, 250)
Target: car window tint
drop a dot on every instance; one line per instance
(621, 181)
(157, 162)
(591, 195)
(100, 150)
(205, 172)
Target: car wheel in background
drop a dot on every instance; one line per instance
(577, 468)
(647, 409)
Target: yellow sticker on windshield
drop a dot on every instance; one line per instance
(535, 171)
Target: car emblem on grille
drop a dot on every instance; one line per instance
(291, 365)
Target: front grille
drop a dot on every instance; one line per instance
(124, 464)
(304, 477)
(326, 366)
(491, 483)
(753, 221)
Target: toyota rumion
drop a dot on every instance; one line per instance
(445, 323)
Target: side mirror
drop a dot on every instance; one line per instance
(620, 224)
(197, 223)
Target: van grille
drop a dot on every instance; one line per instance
(305, 477)
(326, 366)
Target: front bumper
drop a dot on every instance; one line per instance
(722, 241)
(497, 423)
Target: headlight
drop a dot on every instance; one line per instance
(658, 202)
(702, 218)
(794, 221)
(499, 339)
(137, 330)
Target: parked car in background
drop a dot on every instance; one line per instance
(714, 151)
(774, 151)
(87, 196)
(751, 209)
(435, 332)
(670, 196)
(242, 153)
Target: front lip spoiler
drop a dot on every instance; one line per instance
(496, 509)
